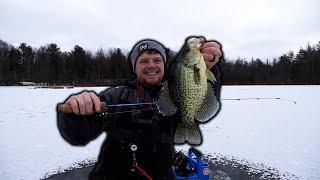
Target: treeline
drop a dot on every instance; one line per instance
(302, 68)
(48, 64)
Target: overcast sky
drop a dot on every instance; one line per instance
(246, 28)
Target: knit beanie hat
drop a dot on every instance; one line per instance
(145, 45)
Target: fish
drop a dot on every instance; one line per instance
(189, 92)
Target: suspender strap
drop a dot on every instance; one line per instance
(117, 133)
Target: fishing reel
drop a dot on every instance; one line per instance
(190, 167)
(180, 164)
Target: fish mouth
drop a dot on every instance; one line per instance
(195, 42)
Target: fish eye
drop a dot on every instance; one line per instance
(186, 50)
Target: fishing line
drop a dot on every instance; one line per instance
(224, 99)
(258, 98)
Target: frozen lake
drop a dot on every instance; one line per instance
(274, 133)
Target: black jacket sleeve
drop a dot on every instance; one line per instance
(80, 130)
(217, 86)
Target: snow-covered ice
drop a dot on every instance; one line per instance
(274, 133)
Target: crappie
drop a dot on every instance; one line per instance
(188, 92)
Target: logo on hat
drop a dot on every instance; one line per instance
(143, 46)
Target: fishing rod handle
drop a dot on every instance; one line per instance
(66, 108)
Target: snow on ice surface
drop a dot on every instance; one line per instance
(274, 133)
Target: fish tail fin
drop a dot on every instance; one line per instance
(187, 132)
(193, 135)
(180, 134)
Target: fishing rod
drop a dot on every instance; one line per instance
(258, 98)
(66, 108)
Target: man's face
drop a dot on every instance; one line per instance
(150, 68)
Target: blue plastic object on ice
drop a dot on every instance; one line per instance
(196, 166)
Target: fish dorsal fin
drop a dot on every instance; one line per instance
(209, 107)
(165, 104)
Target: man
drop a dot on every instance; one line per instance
(139, 143)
